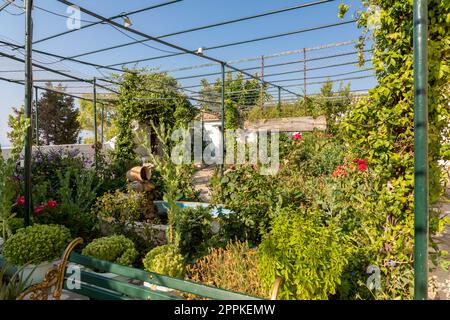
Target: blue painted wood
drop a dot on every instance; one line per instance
(161, 207)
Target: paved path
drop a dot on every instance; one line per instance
(200, 181)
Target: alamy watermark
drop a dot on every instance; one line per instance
(197, 145)
(73, 21)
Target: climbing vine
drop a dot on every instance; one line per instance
(381, 128)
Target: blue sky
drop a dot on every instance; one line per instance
(175, 17)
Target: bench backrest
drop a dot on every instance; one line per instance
(98, 286)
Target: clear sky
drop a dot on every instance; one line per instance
(179, 16)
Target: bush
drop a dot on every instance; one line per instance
(233, 268)
(122, 207)
(192, 231)
(308, 255)
(165, 260)
(75, 194)
(252, 197)
(116, 249)
(36, 244)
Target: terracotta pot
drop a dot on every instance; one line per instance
(141, 174)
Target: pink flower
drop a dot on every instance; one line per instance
(297, 136)
(52, 204)
(38, 210)
(20, 201)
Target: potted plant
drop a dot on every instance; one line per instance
(36, 248)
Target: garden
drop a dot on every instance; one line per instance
(339, 209)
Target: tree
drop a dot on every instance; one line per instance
(58, 117)
(148, 97)
(86, 116)
(244, 92)
(333, 104)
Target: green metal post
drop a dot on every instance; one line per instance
(279, 98)
(94, 102)
(223, 119)
(421, 197)
(36, 114)
(28, 104)
(102, 124)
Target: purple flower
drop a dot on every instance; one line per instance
(392, 263)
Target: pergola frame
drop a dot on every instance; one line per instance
(421, 192)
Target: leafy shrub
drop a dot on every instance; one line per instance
(116, 249)
(122, 207)
(192, 231)
(76, 192)
(36, 244)
(306, 254)
(233, 268)
(252, 197)
(315, 154)
(165, 260)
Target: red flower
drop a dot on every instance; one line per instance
(297, 136)
(38, 210)
(360, 161)
(362, 167)
(20, 201)
(52, 204)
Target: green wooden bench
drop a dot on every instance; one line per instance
(127, 284)
(98, 287)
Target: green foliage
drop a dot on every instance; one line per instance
(251, 196)
(76, 193)
(58, 117)
(315, 154)
(165, 260)
(232, 121)
(286, 110)
(242, 92)
(309, 256)
(381, 128)
(7, 184)
(343, 8)
(193, 231)
(11, 286)
(334, 105)
(147, 97)
(122, 207)
(36, 244)
(174, 178)
(233, 268)
(14, 224)
(86, 116)
(117, 249)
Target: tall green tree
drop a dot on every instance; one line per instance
(86, 116)
(58, 117)
(148, 97)
(243, 92)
